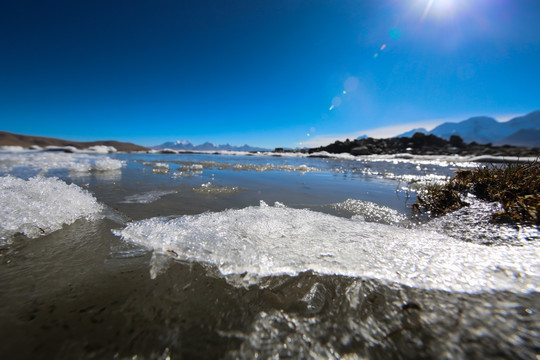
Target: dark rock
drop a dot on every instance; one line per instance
(456, 141)
(360, 150)
(422, 144)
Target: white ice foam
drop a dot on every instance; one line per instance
(262, 241)
(39, 206)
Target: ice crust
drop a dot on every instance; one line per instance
(369, 211)
(473, 223)
(241, 166)
(39, 206)
(464, 161)
(45, 161)
(249, 244)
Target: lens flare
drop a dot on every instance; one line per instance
(395, 33)
(350, 84)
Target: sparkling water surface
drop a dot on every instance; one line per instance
(254, 256)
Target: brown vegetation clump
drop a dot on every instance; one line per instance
(516, 186)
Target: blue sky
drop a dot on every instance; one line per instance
(267, 73)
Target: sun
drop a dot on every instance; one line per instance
(441, 8)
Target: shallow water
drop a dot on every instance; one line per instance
(183, 258)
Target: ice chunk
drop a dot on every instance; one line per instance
(107, 164)
(261, 241)
(102, 149)
(39, 206)
(159, 168)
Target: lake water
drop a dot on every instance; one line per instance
(180, 256)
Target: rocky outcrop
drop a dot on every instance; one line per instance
(422, 144)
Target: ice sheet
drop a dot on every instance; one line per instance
(45, 161)
(255, 242)
(39, 206)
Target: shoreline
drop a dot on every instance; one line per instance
(419, 145)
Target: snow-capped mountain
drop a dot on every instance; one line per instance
(519, 131)
(207, 146)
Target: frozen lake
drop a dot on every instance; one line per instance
(243, 256)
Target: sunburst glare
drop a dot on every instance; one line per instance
(441, 8)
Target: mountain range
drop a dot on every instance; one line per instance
(519, 131)
(207, 146)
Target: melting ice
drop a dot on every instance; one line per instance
(147, 197)
(261, 241)
(40, 205)
(45, 161)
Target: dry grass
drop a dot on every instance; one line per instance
(515, 185)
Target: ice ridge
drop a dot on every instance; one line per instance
(249, 244)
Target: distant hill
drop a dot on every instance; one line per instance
(10, 139)
(519, 131)
(207, 146)
(412, 132)
(529, 137)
